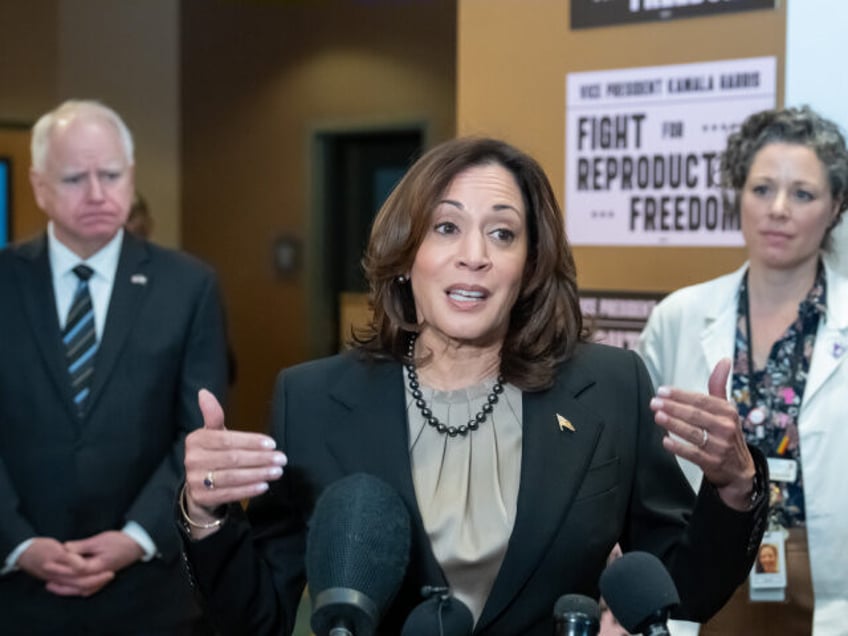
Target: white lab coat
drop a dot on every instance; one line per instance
(691, 330)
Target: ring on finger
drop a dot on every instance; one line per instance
(209, 480)
(705, 437)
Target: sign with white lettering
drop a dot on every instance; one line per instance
(595, 13)
(643, 146)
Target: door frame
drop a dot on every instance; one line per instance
(319, 294)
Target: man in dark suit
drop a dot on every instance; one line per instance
(106, 340)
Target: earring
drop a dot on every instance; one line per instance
(401, 279)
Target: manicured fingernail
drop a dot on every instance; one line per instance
(261, 487)
(664, 391)
(280, 459)
(268, 442)
(656, 403)
(274, 472)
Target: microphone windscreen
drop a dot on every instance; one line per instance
(439, 616)
(577, 604)
(636, 586)
(358, 540)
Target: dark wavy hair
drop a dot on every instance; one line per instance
(801, 126)
(545, 323)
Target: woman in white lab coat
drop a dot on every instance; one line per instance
(782, 318)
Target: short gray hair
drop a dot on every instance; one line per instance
(800, 126)
(40, 142)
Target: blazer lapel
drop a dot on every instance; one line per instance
(129, 289)
(36, 286)
(553, 464)
(374, 409)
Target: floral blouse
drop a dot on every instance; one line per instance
(769, 399)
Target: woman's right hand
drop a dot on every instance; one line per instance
(224, 466)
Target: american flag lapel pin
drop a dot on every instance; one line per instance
(138, 279)
(564, 423)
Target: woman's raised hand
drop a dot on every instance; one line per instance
(223, 466)
(707, 431)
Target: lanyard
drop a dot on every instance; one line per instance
(757, 415)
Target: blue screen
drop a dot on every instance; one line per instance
(4, 201)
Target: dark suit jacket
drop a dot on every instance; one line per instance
(68, 477)
(580, 492)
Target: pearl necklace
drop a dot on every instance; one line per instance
(415, 388)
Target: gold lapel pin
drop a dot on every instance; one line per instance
(564, 423)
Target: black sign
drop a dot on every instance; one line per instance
(617, 317)
(596, 13)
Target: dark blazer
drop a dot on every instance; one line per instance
(68, 477)
(580, 492)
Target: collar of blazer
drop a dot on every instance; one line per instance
(124, 306)
(554, 462)
(34, 277)
(35, 285)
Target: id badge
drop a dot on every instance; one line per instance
(784, 470)
(767, 581)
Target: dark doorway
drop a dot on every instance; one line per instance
(357, 171)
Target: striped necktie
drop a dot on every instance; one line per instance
(80, 339)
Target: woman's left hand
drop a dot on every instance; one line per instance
(707, 431)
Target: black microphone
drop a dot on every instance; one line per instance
(357, 550)
(440, 615)
(640, 593)
(576, 615)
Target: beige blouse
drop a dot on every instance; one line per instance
(467, 486)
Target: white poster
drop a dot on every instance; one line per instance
(642, 151)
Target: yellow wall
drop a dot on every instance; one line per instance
(513, 57)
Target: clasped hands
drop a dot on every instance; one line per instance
(79, 568)
(709, 434)
(223, 466)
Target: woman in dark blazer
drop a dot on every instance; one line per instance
(522, 452)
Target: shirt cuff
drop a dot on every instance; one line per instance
(140, 536)
(11, 564)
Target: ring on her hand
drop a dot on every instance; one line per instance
(209, 480)
(705, 437)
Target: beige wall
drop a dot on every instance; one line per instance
(513, 56)
(28, 58)
(126, 54)
(259, 79)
